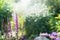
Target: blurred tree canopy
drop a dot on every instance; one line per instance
(54, 6)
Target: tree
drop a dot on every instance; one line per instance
(54, 6)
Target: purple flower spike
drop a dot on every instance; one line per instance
(16, 25)
(9, 24)
(16, 21)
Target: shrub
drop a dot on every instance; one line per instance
(34, 25)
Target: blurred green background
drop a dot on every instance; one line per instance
(33, 25)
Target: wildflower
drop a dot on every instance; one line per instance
(16, 26)
(54, 34)
(16, 21)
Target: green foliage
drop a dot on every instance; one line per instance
(34, 25)
(54, 6)
(52, 22)
(32, 37)
(5, 12)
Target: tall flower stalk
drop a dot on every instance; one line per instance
(9, 24)
(5, 27)
(9, 27)
(16, 26)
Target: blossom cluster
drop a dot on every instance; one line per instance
(53, 35)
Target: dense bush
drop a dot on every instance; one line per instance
(34, 25)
